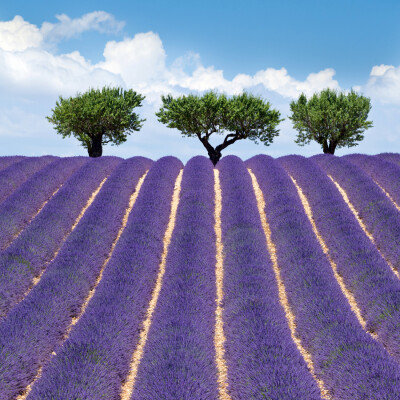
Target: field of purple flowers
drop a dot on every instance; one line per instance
(135, 279)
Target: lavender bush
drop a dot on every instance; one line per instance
(374, 208)
(179, 356)
(17, 211)
(262, 359)
(384, 173)
(36, 246)
(350, 363)
(42, 296)
(390, 157)
(66, 283)
(17, 173)
(95, 360)
(365, 273)
(6, 161)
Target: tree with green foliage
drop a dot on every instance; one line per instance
(244, 116)
(330, 118)
(98, 117)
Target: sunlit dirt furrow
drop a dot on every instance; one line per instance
(30, 386)
(361, 223)
(92, 291)
(281, 286)
(36, 279)
(129, 384)
(31, 219)
(388, 195)
(219, 337)
(349, 296)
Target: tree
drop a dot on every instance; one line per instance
(331, 119)
(98, 117)
(245, 116)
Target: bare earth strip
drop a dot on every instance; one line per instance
(359, 220)
(128, 386)
(349, 296)
(388, 195)
(36, 280)
(219, 337)
(33, 217)
(281, 286)
(91, 293)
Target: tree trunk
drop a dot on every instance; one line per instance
(96, 148)
(213, 154)
(332, 147)
(329, 149)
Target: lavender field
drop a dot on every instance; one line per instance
(262, 279)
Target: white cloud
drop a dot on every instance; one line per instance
(138, 63)
(100, 21)
(37, 72)
(384, 84)
(279, 81)
(201, 79)
(140, 60)
(276, 80)
(379, 70)
(19, 35)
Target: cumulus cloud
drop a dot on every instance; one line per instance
(37, 72)
(384, 84)
(379, 70)
(279, 81)
(276, 80)
(203, 78)
(140, 60)
(19, 35)
(138, 63)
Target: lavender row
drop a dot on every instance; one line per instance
(385, 173)
(95, 360)
(16, 174)
(179, 356)
(262, 359)
(390, 157)
(365, 272)
(26, 345)
(378, 213)
(38, 243)
(351, 364)
(19, 208)
(9, 160)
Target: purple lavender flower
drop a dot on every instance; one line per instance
(95, 359)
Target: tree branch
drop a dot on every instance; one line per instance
(226, 142)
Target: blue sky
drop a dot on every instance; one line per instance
(275, 49)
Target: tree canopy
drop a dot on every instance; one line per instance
(98, 117)
(244, 116)
(331, 119)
